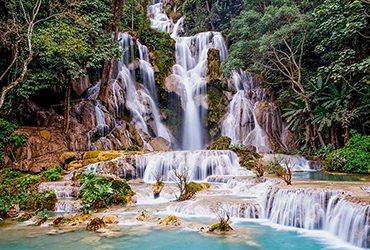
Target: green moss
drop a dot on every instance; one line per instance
(247, 159)
(222, 143)
(217, 106)
(91, 154)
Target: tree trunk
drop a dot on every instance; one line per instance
(105, 84)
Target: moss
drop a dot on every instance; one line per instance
(91, 154)
(96, 224)
(109, 155)
(220, 228)
(222, 143)
(214, 64)
(45, 134)
(247, 159)
(217, 106)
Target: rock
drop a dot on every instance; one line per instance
(222, 143)
(110, 219)
(37, 153)
(170, 220)
(81, 85)
(95, 224)
(172, 84)
(160, 144)
(68, 157)
(143, 216)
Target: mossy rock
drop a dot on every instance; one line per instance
(222, 143)
(45, 134)
(91, 154)
(96, 224)
(214, 64)
(170, 220)
(217, 228)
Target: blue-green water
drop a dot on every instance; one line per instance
(249, 235)
(318, 175)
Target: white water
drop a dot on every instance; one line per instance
(240, 123)
(197, 165)
(191, 71)
(138, 99)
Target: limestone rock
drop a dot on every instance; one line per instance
(95, 224)
(37, 153)
(160, 144)
(110, 219)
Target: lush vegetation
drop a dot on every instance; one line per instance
(354, 157)
(21, 190)
(315, 54)
(98, 192)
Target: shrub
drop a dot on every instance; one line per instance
(353, 158)
(99, 192)
(53, 174)
(22, 189)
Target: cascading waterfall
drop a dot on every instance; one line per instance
(139, 99)
(325, 210)
(197, 165)
(241, 123)
(190, 70)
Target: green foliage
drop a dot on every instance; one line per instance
(53, 174)
(6, 128)
(22, 189)
(352, 158)
(133, 148)
(18, 140)
(163, 47)
(98, 192)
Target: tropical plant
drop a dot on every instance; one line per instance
(98, 192)
(353, 158)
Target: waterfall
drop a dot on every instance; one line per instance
(191, 71)
(251, 117)
(320, 210)
(197, 165)
(128, 95)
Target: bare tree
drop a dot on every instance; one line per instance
(181, 177)
(223, 216)
(285, 172)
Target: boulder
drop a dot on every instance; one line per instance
(37, 153)
(160, 144)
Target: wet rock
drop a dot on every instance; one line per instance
(36, 153)
(160, 144)
(110, 219)
(95, 224)
(171, 220)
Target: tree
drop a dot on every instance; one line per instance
(116, 14)
(274, 37)
(17, 33)
(73, 44)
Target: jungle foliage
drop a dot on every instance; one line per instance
(21, 190)
(99, 192)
